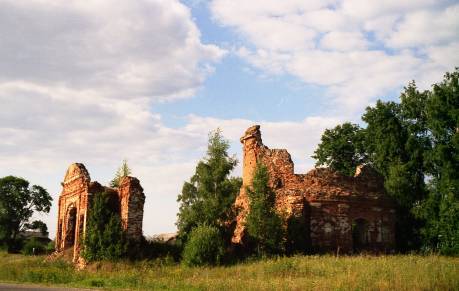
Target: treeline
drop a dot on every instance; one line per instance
(414, 144)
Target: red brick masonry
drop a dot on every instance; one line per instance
(349, 213)
(77, 190)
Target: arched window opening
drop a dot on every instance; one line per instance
(70, 227)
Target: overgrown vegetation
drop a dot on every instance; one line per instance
(204, 247)
(342, 148)
(264, 224)
(414, 144)
(18, 201)
(34, 247)
(207, 198)
(104, 239)
(294, 273)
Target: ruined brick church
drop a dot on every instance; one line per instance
(339, 213)
(74, 203)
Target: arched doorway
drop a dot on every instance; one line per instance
(70, 227)
(360, 237)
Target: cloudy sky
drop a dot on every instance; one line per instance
(99, 81)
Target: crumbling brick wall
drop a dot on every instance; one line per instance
(132, 200)
(74, 204)
(339, 212)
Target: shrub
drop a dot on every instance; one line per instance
(152, 249)
(105, 239)
(204, 247)
(50, 247)
(32, 244)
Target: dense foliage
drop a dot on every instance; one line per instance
(104, 239)
(414, 144)
(18, 201)
(264, 225)
(205, 246)
(208, 196)
(342, 148)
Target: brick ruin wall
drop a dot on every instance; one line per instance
(132, 200)
(74, 204)
(338, 212)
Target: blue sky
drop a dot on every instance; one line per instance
(145, 80)
(235, 87)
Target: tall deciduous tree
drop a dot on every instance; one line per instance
(264, 224)
(208, 196)
(441, 209)
(341, 148)
(18, 201)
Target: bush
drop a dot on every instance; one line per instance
(105, 239)
(204, 247)
(32, 244)
(50, 247)
(152, 249)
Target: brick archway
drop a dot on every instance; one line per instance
(75, 199)
(70, 226)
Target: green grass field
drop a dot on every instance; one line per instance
(408, 272)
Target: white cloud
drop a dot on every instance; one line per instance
(122, 49)
(360, 50)
(343, 41)
(363, 9)
(423, 27)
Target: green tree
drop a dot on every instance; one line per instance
(341, 148)
(396, 143)
(204, 247)
(122, 172)
(18, 201)
(264, 224)
(209, 195)
(104, 239)
(441, 209)
(385, 135)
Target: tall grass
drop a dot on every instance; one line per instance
(409, 272)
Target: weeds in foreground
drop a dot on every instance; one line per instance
(403, 272)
